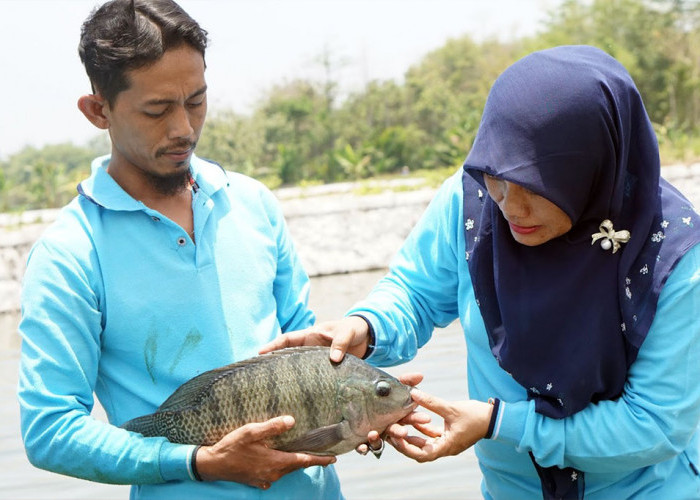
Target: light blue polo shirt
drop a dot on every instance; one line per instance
(118, 301)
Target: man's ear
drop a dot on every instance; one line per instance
(93, 107)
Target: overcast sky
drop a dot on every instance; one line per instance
(254, 44)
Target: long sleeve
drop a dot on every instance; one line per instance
(659, 410)
(61, 328)
(291, 284)
(421, 289)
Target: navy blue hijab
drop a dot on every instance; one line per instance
(567, 318)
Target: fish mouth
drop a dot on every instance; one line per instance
(409, 404)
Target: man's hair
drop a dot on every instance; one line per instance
(123, 35)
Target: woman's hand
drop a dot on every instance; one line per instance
(465, 423)
(350, 334)
(374, 440)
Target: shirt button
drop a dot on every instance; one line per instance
(182, 241)
(157, 219)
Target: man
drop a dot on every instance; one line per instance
(163, 267)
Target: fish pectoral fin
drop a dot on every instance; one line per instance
(319, 439)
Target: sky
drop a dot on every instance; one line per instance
(254, 44)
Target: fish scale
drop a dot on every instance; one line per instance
(334, 405)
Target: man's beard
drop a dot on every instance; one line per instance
(169, 185)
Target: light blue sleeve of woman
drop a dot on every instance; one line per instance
(420, 290)
(659, 410)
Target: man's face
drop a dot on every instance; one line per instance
(155, 124)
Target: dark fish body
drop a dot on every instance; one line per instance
(335, 405)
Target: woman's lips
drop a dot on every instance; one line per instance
(521, 229)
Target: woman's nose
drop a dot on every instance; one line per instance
(515, 203)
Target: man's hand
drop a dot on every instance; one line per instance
(350, 334)
(243, 456)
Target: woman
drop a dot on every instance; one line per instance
(574, 270)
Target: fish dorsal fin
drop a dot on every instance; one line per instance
(319, 440)
(190, 393)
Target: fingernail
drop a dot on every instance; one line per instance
(288, 419)
(336, 355)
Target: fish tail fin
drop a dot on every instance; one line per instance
(145, 425)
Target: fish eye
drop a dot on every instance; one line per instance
(383, 388)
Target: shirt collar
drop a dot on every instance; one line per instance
(101, 189)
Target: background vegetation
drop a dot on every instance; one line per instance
(301, 132)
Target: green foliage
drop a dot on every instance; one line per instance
(46, 177)
(355, 164)
(302, 133)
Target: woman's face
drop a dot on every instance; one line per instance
(533, 220)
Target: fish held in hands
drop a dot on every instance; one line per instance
(335, 405)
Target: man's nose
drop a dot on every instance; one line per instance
(180, 125)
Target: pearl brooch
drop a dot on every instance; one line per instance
(610, 237)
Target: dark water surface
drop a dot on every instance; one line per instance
(442, 361)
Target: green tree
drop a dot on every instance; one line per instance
(46, 177)
(4, 190)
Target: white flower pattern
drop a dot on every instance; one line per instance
(657, 237)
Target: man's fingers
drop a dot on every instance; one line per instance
(264, 430)
(303, 460)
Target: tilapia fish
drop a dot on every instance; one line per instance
(335, 405)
